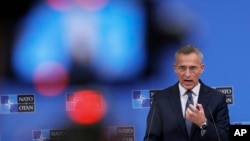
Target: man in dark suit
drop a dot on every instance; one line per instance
(188, 101)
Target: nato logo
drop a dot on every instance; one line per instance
(17, 104)
(228, 91)
(119, 133)
(140, 99)
(49, 135)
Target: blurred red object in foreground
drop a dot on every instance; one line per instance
(89, 107)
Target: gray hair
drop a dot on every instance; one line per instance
(188, 49)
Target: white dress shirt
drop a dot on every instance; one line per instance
(184, 97)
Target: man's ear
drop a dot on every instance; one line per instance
(202, 68)
(175, 68)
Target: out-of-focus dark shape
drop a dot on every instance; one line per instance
(11, 12)
(14, 10)
(75, 132)
(120, 49)
(162, 33)
(94, 48)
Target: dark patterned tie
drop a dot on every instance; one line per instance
(189, 101)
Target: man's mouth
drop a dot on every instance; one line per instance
(188, 81)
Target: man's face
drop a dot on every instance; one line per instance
(188, 68)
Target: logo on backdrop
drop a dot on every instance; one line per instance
(228, 91)
(17, 104)
(142, 98)
(120, 133)
(44, 135)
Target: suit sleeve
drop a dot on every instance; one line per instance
(218, 119)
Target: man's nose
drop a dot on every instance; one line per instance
(187, 72)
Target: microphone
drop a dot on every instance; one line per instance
(210, 112)
(151, 120)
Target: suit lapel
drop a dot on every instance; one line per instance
(204, 97)
(176, 104)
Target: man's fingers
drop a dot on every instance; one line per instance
(199, 106)
(192, 107)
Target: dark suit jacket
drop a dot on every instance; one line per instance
(165, 121)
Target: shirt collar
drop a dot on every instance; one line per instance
(195, 90)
